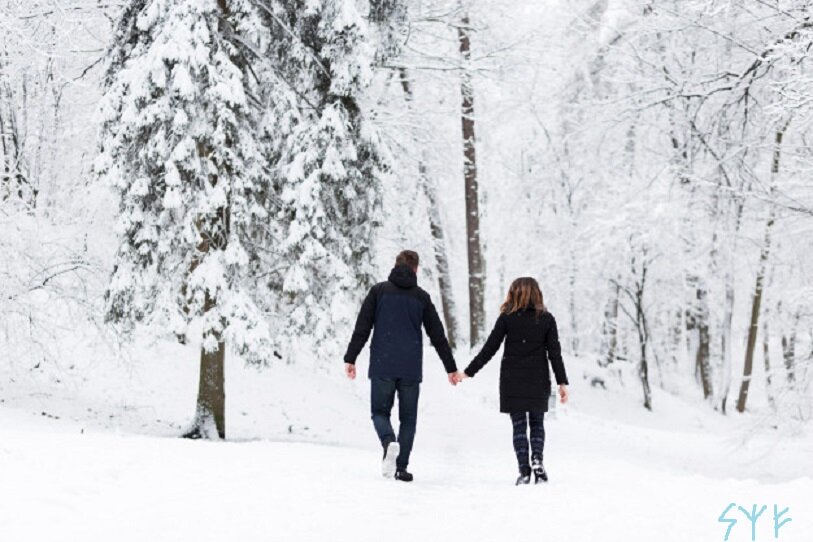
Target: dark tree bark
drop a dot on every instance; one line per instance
(702, 359)
(758, 287)
(643, 337)
(789, 350)
(697, 322)
(210, 409)
(14, 180)
(211, 403)
(754, 321)
(475, 255)
(766, 358)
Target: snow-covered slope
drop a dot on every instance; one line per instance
(302, 463)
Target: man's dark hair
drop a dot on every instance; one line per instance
(409, 258)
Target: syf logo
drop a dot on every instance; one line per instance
(730, 517)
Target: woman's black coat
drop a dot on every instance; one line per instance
(531, 340)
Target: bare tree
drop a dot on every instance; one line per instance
(439, 247)
(761, 270)
(474, 246)
(636, 312)
(15, 181)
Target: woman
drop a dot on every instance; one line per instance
(531, 340)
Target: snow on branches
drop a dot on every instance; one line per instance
(233, 136)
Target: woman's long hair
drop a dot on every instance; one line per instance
(523, 293)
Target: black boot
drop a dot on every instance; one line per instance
(539, 470)
(524, 476)
(403, 475)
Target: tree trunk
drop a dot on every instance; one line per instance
(609, 330)
(5, 178)
(702, 359)
(210, 409)
(766, 358)
(6, 128)
(757, 298)
(789, 350)
(213, 232)
(754, 322)
(438, 237)
(14, 167)
(441, 256)
(210, 412)
(475, 256)
(643, 372)
(727, 331)
(728, 317)
(574, 322)
(698, 323)
(643, 336)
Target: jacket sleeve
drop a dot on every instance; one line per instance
(489, 348)
(555, 353)
(364, 325)
(437, 335)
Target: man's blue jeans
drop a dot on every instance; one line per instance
(382, 397)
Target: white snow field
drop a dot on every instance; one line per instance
(101, 462)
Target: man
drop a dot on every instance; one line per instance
(396, 309)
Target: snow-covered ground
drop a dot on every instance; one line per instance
(94, 458)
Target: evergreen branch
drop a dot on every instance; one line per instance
(290, 85)
(291, 33)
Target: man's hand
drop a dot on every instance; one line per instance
(563, 395)
(455, 378)
(350, 370)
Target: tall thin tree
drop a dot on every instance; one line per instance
(476, 261)
(764, 254)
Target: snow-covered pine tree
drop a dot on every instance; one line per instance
(327, 165)
(180, 145)
(249, 180)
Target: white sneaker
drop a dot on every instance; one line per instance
(390, 455)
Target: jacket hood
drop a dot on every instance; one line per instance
(403, 277)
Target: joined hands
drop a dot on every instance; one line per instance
(455, 378)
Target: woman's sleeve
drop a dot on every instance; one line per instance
(555, 352)
(489, 348)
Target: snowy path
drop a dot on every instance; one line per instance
(59, 486)
(663, 478)
(65, 486)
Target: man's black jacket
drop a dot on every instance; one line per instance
(395, 310)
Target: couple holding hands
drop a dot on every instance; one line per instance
(395, 310)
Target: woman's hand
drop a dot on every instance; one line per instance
(563, 394)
